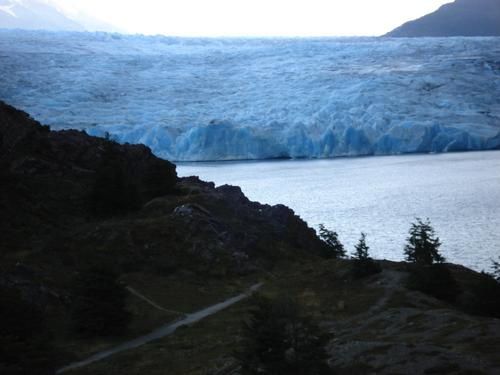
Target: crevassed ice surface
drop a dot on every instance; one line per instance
(222, 99)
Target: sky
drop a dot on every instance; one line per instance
(253, 17)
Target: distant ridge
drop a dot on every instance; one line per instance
(33, 15)
(45, 15)
(460, 18)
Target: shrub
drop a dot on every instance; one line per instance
(435, 280)
(362, 264)
(496, 270)
(113, 192)
(279, 339)
(335, 249)
(99, 304)
(423, 245)
(484, 297)
(25, 345)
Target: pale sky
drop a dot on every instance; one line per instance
(254, 17)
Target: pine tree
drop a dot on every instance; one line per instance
(279, 339)
(332, 242)
(423, 245)
(361, 249)
(113, 192)
(25, 342)
(363, 265)
(496, 270)
(99, 304)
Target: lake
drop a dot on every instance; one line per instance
(381, 196)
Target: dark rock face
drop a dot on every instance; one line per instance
(47, 177)
(460, 18)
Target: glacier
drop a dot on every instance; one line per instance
(200, 99)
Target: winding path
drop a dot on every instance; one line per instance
(162, 331)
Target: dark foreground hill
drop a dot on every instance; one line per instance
(95, 234)
(65, 190)
(460, 18)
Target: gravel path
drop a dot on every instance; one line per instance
(163, 331)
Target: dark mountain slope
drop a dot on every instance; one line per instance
(50, 180)
(461, 18)
(71, 204)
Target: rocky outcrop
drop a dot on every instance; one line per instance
(460, 18)
(47, 178)
(49, 183)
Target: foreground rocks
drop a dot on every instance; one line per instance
(59, 213)
(186, 244)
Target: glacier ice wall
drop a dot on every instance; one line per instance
(226, 99)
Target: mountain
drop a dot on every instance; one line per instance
(460, 18)
(44, 15)
(34, 15)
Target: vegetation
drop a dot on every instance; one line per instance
(363, 265)
(335, 249)
(496, 270)
(428, 275)
(423, 245)
(99, 305)
(113, 193)
(435, 280)
(24, 341)
(484, 297)
(280, 340)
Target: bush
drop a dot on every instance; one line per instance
(279, 339)
(25, 345)
(99, 304)
(496, 270)
(423, 245)
(362, 264)
(335, 249)
(484, 297)
(113, 193)
(435, 280)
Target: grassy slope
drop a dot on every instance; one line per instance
(378, 326)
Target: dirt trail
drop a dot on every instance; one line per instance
(163, 331)
(150, 302)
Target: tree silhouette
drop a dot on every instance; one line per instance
(484, 298)
(279, 339)
(496, 270)
(99, 304)
(25, 343)
(363, 265)
(423, 245)
(335, 249)
(435, 280)
(361, 249)
(113, 193)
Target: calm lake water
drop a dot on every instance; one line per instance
(381, 196)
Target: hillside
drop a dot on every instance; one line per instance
(460, 18)
(71, 203)
(75, 207)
